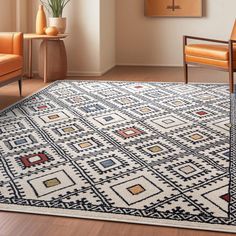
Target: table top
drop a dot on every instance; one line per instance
(44, 36)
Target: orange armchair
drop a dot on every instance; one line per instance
(221, 55)
(11, 58)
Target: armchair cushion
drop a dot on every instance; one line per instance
(215, 52)
(11, 58)
(11, 43)
(10, 63)
(208, 62)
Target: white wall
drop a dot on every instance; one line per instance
(107, 34)
(158, 41)
(91, 28)
(22, 11)
(83, 43)
(103, 33)
(7, 15)
(91, 41)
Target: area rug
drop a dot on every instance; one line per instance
(147, 153)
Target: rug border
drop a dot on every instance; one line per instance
(107, 216)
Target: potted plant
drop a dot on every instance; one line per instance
(55, 9)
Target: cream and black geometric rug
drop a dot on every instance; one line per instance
(149, 153)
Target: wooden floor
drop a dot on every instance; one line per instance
(14, 224)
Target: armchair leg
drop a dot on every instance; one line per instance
(231, 67)
(20, 86)
(184, 60)
(231, 81)
(185, 72)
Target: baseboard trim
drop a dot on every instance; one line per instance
(101, 73)
(83, 73)
(108, 69)
(150, 65)
(158, 65)
(86, 73)
(79, 73)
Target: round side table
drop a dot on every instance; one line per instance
(52, 56)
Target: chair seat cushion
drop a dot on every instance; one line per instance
(209, 62)
(216, 52)
(10, 63)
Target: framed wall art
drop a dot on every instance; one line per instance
(173, 8)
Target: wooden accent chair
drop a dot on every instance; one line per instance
(11, 58)
(215, 56)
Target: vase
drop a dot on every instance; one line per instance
(51, 31)
(59, 23)
(41, 21)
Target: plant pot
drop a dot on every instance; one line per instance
(59, 23)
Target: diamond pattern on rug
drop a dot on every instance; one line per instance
(155, 153)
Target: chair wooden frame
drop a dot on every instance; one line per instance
(231, 68)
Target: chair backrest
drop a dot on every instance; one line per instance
(11, 43)
(233, 34)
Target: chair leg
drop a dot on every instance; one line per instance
(231, 67)
(185, 72)
(20, 86)
(231, 81)
(184, 60)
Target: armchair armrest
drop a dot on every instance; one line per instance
(186, 37)
(11, 43)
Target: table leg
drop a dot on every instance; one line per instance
(30, 58)
(45, 62)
